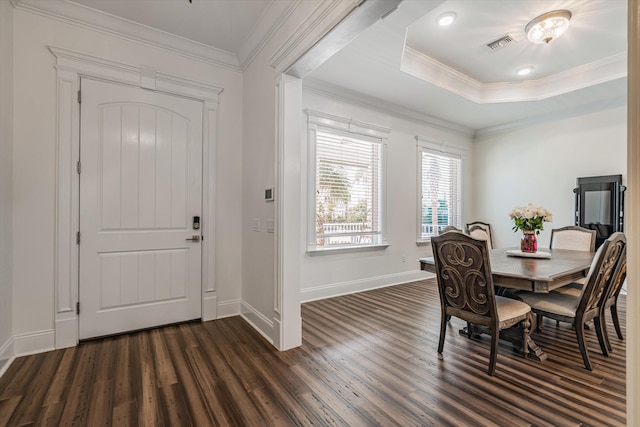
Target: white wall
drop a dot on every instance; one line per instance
(324, 275)
(539, 164)
(6, 171)
(258, 253)
(34, 162)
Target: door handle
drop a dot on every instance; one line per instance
(195, 238)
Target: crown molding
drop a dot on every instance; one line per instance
(319, 22)
(269, 23)
(383, 106)
(72, 13)
(590, 108)
(428, 69)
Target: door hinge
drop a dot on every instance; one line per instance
(78, 307)
(79, 98)
(78, 237)
(78, 166)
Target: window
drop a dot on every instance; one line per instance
(346, 188)
(440, 175)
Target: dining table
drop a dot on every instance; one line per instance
(542, 272)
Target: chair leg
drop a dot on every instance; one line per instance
(582, 344)
(526, 330)
(495, 340)
(539, 319)
(443, 332)
(616, 321)
(605, 334)
(601, 333)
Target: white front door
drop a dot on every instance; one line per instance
(140, 189)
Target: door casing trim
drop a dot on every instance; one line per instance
(71, 66)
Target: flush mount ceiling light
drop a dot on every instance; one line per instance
(548, 26)
(525, 70)
(446, 19)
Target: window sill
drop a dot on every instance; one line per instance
(423, 242)
(346, 249)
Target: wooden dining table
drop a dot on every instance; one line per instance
(517, 273)
(532, 274)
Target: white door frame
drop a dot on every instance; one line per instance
(70, 66)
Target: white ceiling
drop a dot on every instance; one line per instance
(224, 24)
(446, 75)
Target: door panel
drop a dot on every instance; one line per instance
(140, 187)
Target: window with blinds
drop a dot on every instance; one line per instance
(348, 186)
(441, 189)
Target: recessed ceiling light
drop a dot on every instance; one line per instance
(525, 70)
(446, 19)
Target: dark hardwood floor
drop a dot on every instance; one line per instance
(367, 359)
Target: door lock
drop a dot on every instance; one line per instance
(195, 238)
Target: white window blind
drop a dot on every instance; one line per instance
(441, 190)
(348, 185)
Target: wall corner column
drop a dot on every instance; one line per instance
(632, 221)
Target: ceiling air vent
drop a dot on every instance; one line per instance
(502, 42)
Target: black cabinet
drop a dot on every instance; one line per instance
(599, 205)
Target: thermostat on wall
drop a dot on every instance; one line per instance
(268, 194)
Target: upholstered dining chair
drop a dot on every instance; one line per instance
(573, 238)
(578, 309)
(449, 228)
(480, 230)
(610, 301)
(466, 291)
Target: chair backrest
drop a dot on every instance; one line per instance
(573, 238)
(601, 273)
(449, 228)
(481, 233)
(479, 224)
(619, 275)
(464, 278)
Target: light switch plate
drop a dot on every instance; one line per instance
(256, 225)
(270, 226)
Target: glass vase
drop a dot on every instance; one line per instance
(529, 242)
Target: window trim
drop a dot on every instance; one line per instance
(433, 146)
(317, 120)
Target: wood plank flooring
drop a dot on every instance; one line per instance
(367, 359)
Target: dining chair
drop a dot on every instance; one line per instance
(449, 228)
(480, 230)
(610, 300)
(578, 309)
(573, 238)
(466, 291)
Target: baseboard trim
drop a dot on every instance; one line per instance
(228, 308)
(258, 321)
(33, 343)
(209, 306)
(353, 286)
(66, 333)
(6, 356)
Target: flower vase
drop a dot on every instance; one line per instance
(529, 242)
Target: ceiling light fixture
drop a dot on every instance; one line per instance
(446, 19)
(525, 70)
(548, 26)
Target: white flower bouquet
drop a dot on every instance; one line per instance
(530, 218)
